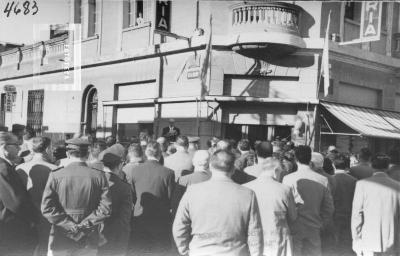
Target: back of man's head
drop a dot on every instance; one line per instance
(135, 151)
(201, 159)
(111, 161)
(264, 149)
(182, 141)
(153, 150)
(341, 161)
(244, 145)
(380, 162)
(224, 145)
(394, 155)
(40, 144)
(303, 154)
(318, 160)
(222, 161)
(110, 140)
(163, 143)
(365, 155)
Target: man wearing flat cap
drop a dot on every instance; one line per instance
(76, 201)
(117, 228)
(171, 132)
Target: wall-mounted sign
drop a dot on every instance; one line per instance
(10, 100)
(9, 88)
(163, 15)
(371, 19)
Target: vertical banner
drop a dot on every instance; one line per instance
(163, 15)
(64, 48)
(371, 19)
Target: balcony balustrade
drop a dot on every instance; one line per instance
(266, 23)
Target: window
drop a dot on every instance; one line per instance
(35, 110)
(384, 17)
(353, 11)
(133, 13)
(78, 12)
(127, 10)
(139, 15)
(92, 18)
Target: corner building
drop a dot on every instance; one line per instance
(143, 62)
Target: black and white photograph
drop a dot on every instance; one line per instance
(199, 128)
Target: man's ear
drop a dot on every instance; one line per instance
(3, 147)
(312, 165)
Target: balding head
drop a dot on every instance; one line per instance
(222, 161)
(317, 161)
(224, 145)
(201, 159)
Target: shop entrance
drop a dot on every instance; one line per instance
(256, 132)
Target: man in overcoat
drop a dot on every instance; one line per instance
(76, 201)
(18, 215)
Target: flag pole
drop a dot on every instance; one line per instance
(325, 51)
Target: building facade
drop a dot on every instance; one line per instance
(129, 66)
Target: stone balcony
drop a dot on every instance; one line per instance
(263, 24)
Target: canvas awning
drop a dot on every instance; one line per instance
(367, 121)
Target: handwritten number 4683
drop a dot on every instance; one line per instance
(27, 7)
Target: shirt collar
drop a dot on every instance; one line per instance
(379, 173)
(220, 177)
(303, 167)
(340, 171)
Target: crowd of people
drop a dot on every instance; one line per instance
(170, 196)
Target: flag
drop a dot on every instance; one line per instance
(205, 75)
(325, 58)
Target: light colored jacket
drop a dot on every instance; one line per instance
(218, 217)
(179, 162)
(312, 196)
(375, 222)
(277, 210)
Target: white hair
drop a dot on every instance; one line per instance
(317, 159)
(201, 158)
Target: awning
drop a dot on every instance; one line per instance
(367, 121)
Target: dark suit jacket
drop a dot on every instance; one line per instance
(17, 212)
(171, 137)
(154, 184)
(75, 194)
(117, 228)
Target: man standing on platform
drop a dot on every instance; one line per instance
(171, 132)
(76, 201)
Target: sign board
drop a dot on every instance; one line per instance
(163, 15)
(371, 19)
(10, 99)
(9, 88)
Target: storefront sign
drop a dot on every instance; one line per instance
(371, 19)
(163, 15)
